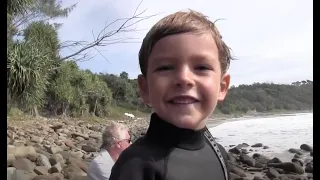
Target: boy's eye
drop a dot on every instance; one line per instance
(203, 67)
(164, 68)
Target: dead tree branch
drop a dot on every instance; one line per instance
(106, 38)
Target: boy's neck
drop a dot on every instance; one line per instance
(166, 134)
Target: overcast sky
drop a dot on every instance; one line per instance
(271, 39)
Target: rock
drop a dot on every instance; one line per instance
(23, 152)
(89, 148)
(43, 160)
(258, 165)
(19, 175)
(295, 160)
(77, 177)
(53, 149)
(274, 160)
(235, 150)
(68, 143)
(257, 145)
(297, 151)
(83, 166)
(36, 139)
(56, 168)
(95, 136)
(288, 167)
(72, 171)
(309, 168)
(234, 176)
(297, 156)
(41, 170)
(260, 158)
(311, 153)
(245, 159)
(24, 164)
(272, 173)
(236, 169)
(265, 147)
(244, 151)
(10, 159)
(259, 178)
(296, 177)
(306, 147)
(84, 136)
(310, 175)
(56, 127)
(10, 171)
(77, 154)
(56, 158)
(232, 158)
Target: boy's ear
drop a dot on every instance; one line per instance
(143, 88)
(224, 86)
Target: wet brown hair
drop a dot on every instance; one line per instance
(178, 23)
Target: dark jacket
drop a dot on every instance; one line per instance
(169, 153)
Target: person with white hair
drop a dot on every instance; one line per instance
(115, 139)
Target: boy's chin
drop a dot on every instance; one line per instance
(188, 123)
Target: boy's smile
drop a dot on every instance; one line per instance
(184, 81)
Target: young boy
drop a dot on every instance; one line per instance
(184, 65)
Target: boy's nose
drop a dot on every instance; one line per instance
(184, 77)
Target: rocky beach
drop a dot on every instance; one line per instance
(56, 149)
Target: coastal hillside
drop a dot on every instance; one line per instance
(268, 97)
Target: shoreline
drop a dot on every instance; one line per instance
(213, 122)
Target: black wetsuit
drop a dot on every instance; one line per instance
(169, 153)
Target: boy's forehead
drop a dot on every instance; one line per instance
(195, 46)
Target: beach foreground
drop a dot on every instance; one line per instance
(60, 149)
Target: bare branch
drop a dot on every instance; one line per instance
(107, 38)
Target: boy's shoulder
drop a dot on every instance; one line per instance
(144, 150)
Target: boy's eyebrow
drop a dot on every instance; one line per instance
(202, 56)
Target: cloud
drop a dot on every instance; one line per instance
(272, 40)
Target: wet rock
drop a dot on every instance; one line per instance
(297, 151)
(288, 166)
(265, 147)
(306, 147)
(274, 160)
(236, 169)
(260, 158)
(234, 176)
(311, 153)
(272, 173)
(309, 168)
(245, 159)
(235, 150)
(297, 156)
(295, 160)
(257, 145)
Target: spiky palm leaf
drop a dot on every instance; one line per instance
(27, 69)
(15, 7)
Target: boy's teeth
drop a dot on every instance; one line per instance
(183, 102)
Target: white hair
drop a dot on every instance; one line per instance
(113, 133)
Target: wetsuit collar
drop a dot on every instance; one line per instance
(163, 133)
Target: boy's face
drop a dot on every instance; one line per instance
(184, 82)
